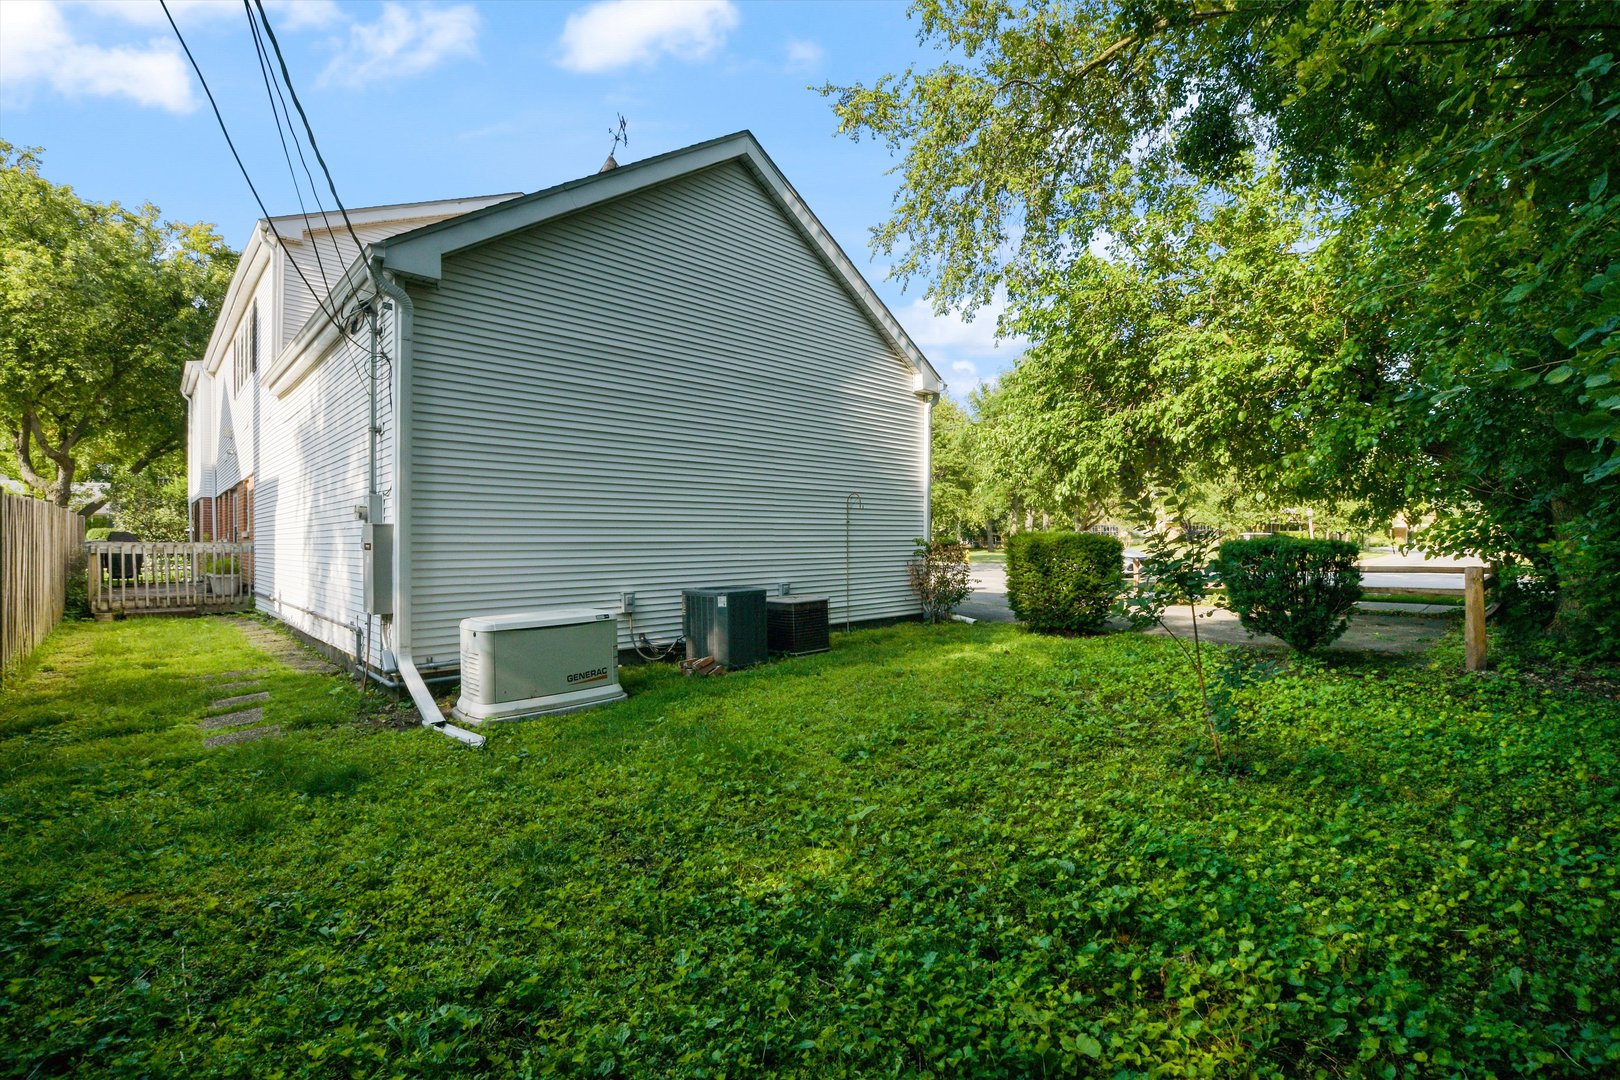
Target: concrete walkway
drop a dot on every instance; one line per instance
(1375, 627)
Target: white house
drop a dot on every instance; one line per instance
(663, 376)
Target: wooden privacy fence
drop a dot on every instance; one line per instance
(41, 548)
(157, 578)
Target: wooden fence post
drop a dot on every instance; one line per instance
(1474, 618)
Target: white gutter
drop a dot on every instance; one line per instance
(404, 314)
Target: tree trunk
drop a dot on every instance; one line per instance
(57, 489)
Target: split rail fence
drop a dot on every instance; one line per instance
(130, 577)
(41, 548)
(1475, 578)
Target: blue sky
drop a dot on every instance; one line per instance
(417, 101)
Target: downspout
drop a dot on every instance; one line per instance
(431, 717)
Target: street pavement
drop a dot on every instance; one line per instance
(1372, 629)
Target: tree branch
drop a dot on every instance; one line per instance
(139, 467)
(61, 455)
(1108, 54)
(25, 461)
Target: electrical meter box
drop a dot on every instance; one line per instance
(377, 562)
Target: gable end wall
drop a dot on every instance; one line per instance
(669, 391)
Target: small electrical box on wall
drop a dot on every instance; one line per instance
(377, 560)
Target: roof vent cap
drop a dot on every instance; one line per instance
(608, 166)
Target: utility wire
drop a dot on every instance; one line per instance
(264, 71)
(272, 90)
(320, 302)
(286, 77)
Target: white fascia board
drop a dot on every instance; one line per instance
(419, 254)
(294, 228)
(317, 336)
(249, 269)
(189, 374)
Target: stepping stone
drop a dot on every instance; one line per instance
(240, 699)
(232, 719)
(245, 735)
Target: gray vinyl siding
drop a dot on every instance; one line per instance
(668, 391)
(312, 474)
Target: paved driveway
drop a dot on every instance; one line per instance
(989, 598)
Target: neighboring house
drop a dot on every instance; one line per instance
(659, 377)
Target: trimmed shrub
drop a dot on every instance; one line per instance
(1295, 589)
(1063, 581)
(939, 576)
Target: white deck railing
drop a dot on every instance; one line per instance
(178, 578)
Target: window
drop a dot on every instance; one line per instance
(245, 350)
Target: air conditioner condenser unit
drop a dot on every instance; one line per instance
(537, 663)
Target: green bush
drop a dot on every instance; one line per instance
(1063, 581)
(939, 576)
(1298, 590)
(96, 534)
(76, 598)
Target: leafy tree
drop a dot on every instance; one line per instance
(151, 503)
(1191, 349)
(100, 306)
(953, 511)
(1453, 319)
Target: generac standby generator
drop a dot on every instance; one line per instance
(537, 663)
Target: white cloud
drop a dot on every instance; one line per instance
(804, 55)
(149, 13)
(970, 351)
(402, 42)
(303, 14)
(39, 49)
(620, 33)
(284, 14)
(951, 334)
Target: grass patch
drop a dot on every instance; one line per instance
(941, 851)
(980, 556)
(1446, 599)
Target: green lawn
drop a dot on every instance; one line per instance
(1444, 599)
(940, 851)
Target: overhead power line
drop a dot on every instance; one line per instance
(321, 301)
(286, 77)
(272, 95)
(309, 226)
